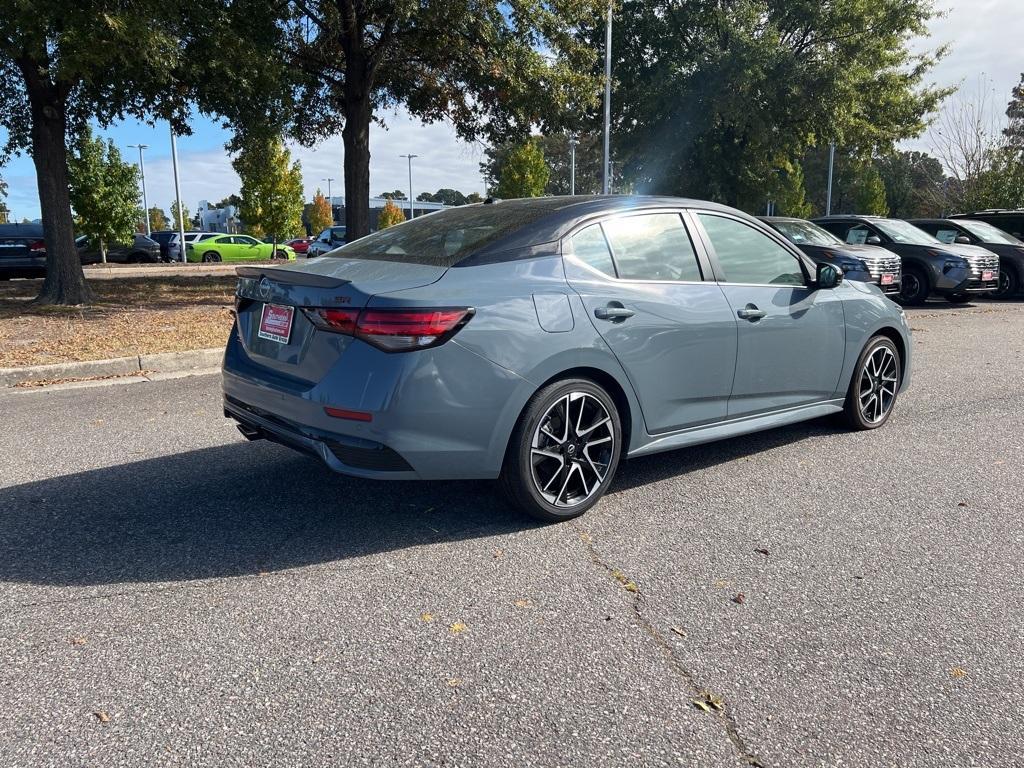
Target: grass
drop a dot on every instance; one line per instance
(129, 316)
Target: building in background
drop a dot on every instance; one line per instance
(377, 205)
(212, 219)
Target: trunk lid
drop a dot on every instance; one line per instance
(328, 282)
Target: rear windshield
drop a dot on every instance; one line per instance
(444, 238)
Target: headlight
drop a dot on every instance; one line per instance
(853, 265)
(954, 264)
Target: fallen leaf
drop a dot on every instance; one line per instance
(708, 701)
(762, 552)
(102, 716)
(702, 705)
(457, 627)
(498, 553)
(454, 682)
(722, 583)
(962, 504)
(958, 672)
(679, 631)
(740, 599)
(426, 616)
(76, 640)
(523, 603)
(585, 537)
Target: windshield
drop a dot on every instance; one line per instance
(806, 233)
(444, 238)
(902, 232)
(988, 233)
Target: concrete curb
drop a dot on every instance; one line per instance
(197, 359)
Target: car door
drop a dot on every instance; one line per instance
(643, 285)
(791, 336)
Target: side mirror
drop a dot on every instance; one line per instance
(828, 276)
(963, 240)
(874, 240)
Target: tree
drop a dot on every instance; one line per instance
(104, 192)
(272, 196)
(558, 156)
(232, 200)
(494, 68)
(913, 182)
(524, 172)
(63, 65)
(755, 84)
(396, 195)
(186, 220)
(320, 215)
(390, 215)
(158, 219)
(473, 197)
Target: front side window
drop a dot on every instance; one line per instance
(749, 256)
(652, 247)
(591, 248)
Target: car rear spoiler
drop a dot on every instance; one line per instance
(291, 277)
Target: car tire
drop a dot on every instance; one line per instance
(913, 287)
(211, 257)
(280, 255)
(1009, 283)
(874, 388)
(545, 449)
(957, 298)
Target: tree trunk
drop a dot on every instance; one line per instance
(65, 282)
(356, 137)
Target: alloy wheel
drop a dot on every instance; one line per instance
(910, 287)
(879, 378)
(572, 450)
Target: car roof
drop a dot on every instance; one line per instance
(21, 230)
(772, 219)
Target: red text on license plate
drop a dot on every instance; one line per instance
(276, 323)
(887, 279)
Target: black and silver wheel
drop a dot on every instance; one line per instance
(279, 254)
(211, 257)
(914, 287)
(1009, 283)
(564, 450)
(875, 385)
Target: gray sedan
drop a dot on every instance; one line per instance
(542, 341)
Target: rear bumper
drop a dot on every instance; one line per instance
(438, 414)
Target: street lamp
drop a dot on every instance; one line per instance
(606, 171)
(573, 141)
(142, 169)
(329, 199)
(412, 211)
(177, 195)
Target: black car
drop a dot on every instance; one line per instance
(163, 237)
(141, 250)
(22, 251)
(954, 271)
(865, 263)
(973, 232)
(1011, 221)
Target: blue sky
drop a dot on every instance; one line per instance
(985, 36)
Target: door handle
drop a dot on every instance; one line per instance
(751, 313)
(613, 313)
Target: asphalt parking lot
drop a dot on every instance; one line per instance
(171, 595)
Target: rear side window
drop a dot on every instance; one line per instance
(591, 248)
(652, 247)
(749, 256)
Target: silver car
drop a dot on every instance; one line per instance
(541, 341)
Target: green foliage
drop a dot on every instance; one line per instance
(790, 196)
(396, 195)
(320, 215)
(232, 199)
(390, 215)
(473, 197)
(186, 219)
(445, 196)
(557, 155)
(104, 191)
(524, 172)
(158, 219)
(713, 99)
(272, 197)
(914, 183)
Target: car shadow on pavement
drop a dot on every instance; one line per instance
(248, 508)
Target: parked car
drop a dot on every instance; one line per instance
(300, 245)
(141, 250)
(540, 341)
(953, 271)
(1011, 221)
(1008, 248)
(163, 237)
(235, 248)
(174, 249)
(866, 263)
(328, 240)
(22, 251)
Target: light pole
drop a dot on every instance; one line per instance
(177, 195)
(329, 180)
(573, 141)
(831, 163)
(412, 211)
(142, 169)
(606, 174)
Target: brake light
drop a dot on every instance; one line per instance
(394, 330)
(38, 245)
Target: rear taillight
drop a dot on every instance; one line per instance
(393, 330)
(37, 246)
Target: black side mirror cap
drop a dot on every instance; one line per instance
(828, 276)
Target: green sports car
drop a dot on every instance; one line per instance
(236, 248)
